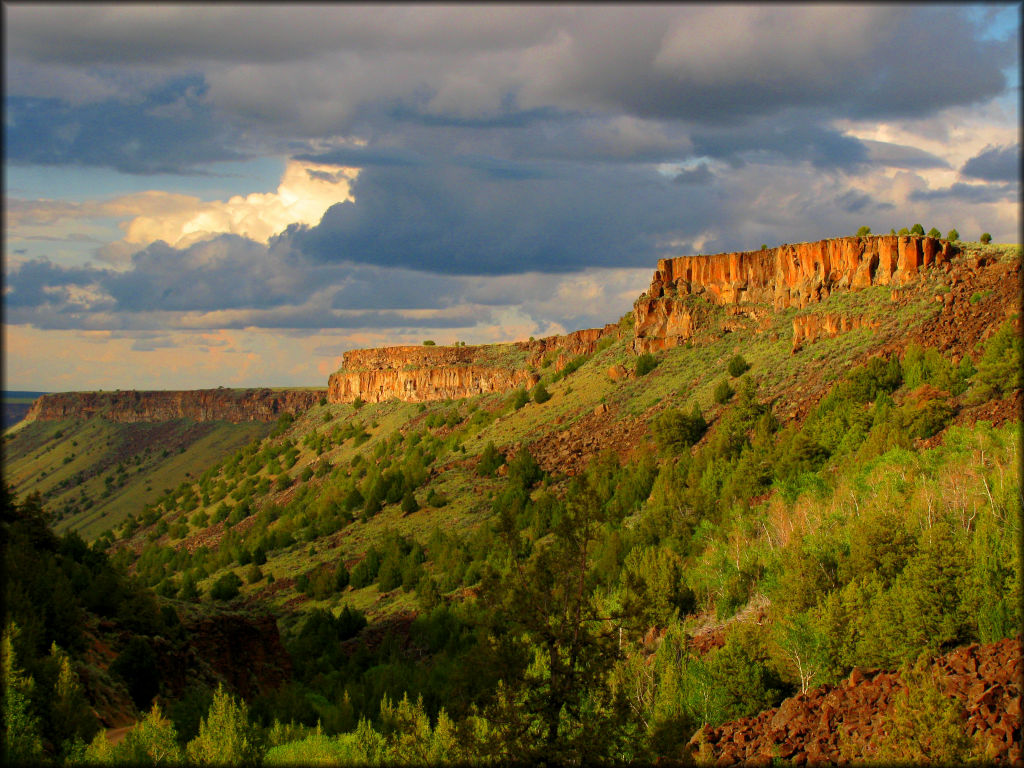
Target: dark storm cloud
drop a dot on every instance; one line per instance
(457, 220)
(901, 156)
(170, 130)
(969, 193)
(786, 139)
(329, 70)
(995, 164)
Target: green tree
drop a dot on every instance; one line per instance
(953, 236)
(22, 743)
(864, 231)
(225, 735)
(556, 701)
(933, 232)
(903, 231)
(985, 238)
(738, 366)
(674, 430)
(723, 392)
(646, 363)
(540, 393)
(409, 504)
(490, 460)
(917, 229)
(70, 714)
(226, 587)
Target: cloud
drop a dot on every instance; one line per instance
(131, 137)
(995, 164)
(970, 193)
(305, 192)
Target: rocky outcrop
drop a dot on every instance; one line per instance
(419, 374)
(424, 373)
(234, 405)
(808, 328)
(565, 348)
(685, 291)
(829, 724)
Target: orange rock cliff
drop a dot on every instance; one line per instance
(235, 405)
(686, 290)
(420, 374)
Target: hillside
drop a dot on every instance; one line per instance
(743, 490)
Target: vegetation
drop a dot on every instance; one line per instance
(645, 363)
(447, 593)
(985, 238)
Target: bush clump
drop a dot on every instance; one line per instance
(738, 366)
(723, 392)
(645, 364)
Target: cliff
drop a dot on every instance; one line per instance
(420, 374)
(686, 291)
(235, 405)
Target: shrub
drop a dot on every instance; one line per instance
(738, 366)
(933, 232)
(409, 504)
(953, 236)
(358, 403)
(225, 735)
(999, 366)
(985, 238)
(646, 363)
(253, 574)
(723, 392)
(490, 460)
(903, 231)
(226, 587)
(541, 394)
(519, 398)
(429, 343)
(863, 231)
(674, 430)
(917, 229)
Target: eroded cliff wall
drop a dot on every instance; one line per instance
(686, 291)
(420, 374)
(234, 405)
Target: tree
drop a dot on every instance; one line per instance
(917, 229)
(738, 366)
(953, 236)
(22, 743)
(723, 392)
(864, 231)
(226, 587)
(674, 430)
(903, 231)
(646, 363)
(409, 504)
(556, 701)
(225, 735)
(490, 460)
(933, 232)
(985, 238)
(541, 394)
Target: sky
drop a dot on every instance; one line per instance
(234, 195)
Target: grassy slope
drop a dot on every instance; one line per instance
(685, 375)
(70, 461)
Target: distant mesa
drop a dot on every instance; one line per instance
(131, 406)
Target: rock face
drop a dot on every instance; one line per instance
(808, 328)
(686, 291)
(424, 373)
(235, 405)
(418, 374)
(829, 724)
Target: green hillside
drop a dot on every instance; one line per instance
(595, 569)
